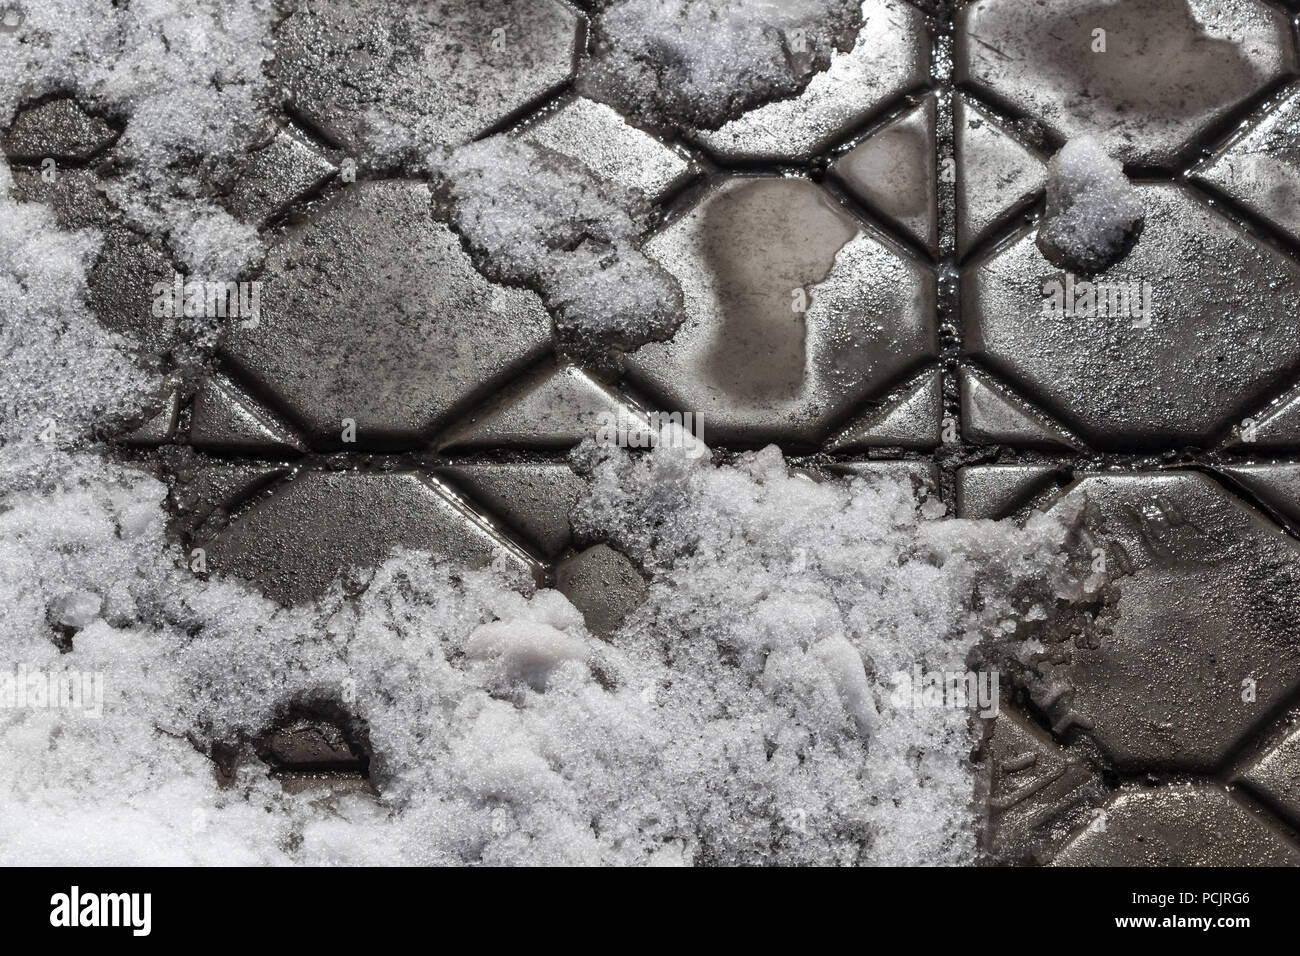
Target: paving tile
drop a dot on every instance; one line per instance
(1203, 630)
(604, 585)
(1276, 775)
(371, 311)
(75, 195)
(996, 491)
(1260, 168)
(910, 417)
(221, 417)
(202, 488)
(1209, 351)
(997, 175)
(59, 129)
(611, 148)
(536, 499)
(758, 369)
(159, 428)
(441, 73)
(271, 178)
(305, 744)
(1273, 426)
(320, 524)
(1276, 485)
(1036, 794)
(1147, 95)
(893, 171)
(556, 406)
(891, 57)
(120, 291)
(992, 415)
(1178, 826)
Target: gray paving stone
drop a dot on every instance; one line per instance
(371, 311)
(202, 488)
(1149, 94)
(1272, 426)
(757, 368)
(1178, 826)
(612, 149)
(604, 585)
(1276, 485)
(910, 417)
(1210, 350)
(1276, 775)
(1203, 641)
(222, 417)
(271, 178)
(120, 291)
(996, 491)
(556, 406)
(75, 195)
(294, 543)
(894, 172)
(1260, 168)
(1036, 794)
(536, 499)
(310, 745)
(992, 415)
(997, 175)
(439, 73)
(890, 58)
(59, 129)
(159, 427)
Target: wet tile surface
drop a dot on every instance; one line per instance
(863, 287)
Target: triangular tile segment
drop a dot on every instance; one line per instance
(993, 416)
(535, 499)
(996, 175)
(222, 418)
(1276, 485)
(910, 418)
(557, 407)
(995, 491)
(893, 172)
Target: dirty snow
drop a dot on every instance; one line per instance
(1092, 208)
(700, 62)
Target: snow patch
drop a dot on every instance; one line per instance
(1092, 208)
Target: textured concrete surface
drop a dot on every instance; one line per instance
(900, 190)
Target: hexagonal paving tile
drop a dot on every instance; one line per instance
(383, 73)
(372, 311)
(1210, 351)
(1206, 632)
(1141, 86)
(748, 257)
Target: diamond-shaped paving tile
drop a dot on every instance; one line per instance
(1169, 68)
(370, 73)
(747, 258)
(891, 57)
(1206, 633)
(1209, 351)
(372, 312)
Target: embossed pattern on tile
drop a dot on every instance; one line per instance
(1186, 432)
